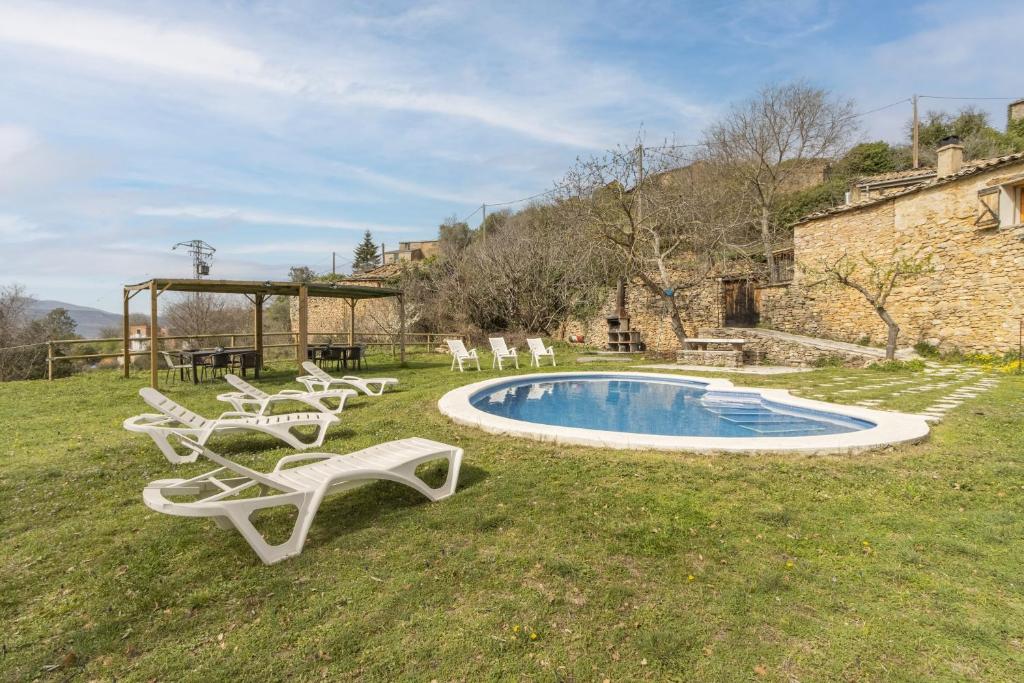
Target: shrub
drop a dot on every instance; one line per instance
(915, 365)
(829, 361)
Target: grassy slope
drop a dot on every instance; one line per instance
(898, 565)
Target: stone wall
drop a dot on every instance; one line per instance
(331, 316)
(768, 347)
(972, 302)
(649, 314)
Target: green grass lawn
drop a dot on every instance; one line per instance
(550, 563)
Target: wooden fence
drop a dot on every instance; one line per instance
(381, 341)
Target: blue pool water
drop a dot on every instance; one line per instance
(642, 405)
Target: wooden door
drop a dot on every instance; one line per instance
(739, 304)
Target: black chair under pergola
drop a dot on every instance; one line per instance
(257, 293)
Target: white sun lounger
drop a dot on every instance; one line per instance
(500, 352)
(302, 487)
(251, 399)
(318, 380)
(188, 428)
(538, 351)
(460, 355)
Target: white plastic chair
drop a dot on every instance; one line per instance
(318, 380)
(251, 399)
(302, 487)
(460, 355)
(501, 352)
(538, 351)
(189, 428)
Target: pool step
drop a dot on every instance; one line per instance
(754, 416)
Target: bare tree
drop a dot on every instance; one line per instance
(875, 279)
(773, 144)
(672, 220)
(196, 314)
(530, 272)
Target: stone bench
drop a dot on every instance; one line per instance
(720, 358)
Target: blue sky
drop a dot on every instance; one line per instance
(279, 131)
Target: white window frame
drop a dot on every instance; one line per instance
(1011, 198)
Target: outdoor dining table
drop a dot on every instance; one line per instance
(318, 354)
(247, 358)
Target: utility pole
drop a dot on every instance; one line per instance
(483, 221)
(202, 256)
(639, 184)
(917, 163)
(334, 263)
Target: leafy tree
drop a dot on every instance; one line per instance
(971, 125)
(869, 158)
(57, 324)
(301, 274)
(453, 237)
(366, 255)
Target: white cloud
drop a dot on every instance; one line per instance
(15, 141)
(186, 50)
(17, 230)
(197, 53)
(233, 214)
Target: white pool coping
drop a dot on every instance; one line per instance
(890, 428)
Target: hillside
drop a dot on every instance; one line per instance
(89, 320)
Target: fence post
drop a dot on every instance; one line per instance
(49, 361)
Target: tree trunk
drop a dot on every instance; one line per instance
(677, 321)
(894, 331)
(766, 240)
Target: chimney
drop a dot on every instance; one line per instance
(950, 156)
(1015, 111)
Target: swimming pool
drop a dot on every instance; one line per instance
(671, 412)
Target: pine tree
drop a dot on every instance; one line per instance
(366, 255)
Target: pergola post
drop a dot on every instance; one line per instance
(351, 322)
(303, 344)
(154, 335)
(401, 328)
(127, 357)
(257, 328)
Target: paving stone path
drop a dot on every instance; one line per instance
(962, 382)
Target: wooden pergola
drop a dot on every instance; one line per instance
(257, 293)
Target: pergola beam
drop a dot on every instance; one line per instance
(351, 322)
(258, 293)
(154, 336)
(303, 345)
(127, 357)
(257, 327)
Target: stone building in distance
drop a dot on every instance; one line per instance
(966, 215)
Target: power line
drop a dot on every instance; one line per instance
(472, 214)
(887, 106)
(940, 97)
(516, 201)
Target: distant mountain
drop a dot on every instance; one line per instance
(89, 320)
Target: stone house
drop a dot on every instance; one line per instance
(411, 251)
(967, 216)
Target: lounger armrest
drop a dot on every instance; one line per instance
(238, 396)
(235, 413)
(147, 420)
(298, 457)
(330, 393)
